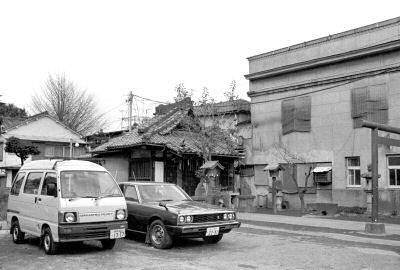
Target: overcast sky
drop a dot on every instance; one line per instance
(148, 47)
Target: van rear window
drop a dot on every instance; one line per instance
(88, 184)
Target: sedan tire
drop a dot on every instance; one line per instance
(159, 237)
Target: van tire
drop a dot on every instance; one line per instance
(50, 247)
(17, 235)
(108, 243)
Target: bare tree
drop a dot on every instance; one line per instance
(72, 106)
(291, 160)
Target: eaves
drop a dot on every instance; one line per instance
(324, 61)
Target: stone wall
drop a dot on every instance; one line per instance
(3, 202)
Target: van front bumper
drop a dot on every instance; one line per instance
(88, 231)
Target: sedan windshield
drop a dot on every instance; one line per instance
(88, 184)
(158, 193)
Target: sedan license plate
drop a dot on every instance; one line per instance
(117, 233)
(212, 231)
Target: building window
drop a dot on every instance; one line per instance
(394, 171)
(296, 115)
(353, 171)
(369, 103)
(1, 151)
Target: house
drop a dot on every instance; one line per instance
(52, 138)
(163, 150)
(307, 101)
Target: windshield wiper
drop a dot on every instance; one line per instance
(166, 200)
(80, 197)
(105, 196)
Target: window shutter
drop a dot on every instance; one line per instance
(378, 104)
(359, 105)
(303, 114)
(288, 111)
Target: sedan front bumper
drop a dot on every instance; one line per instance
(199, 230)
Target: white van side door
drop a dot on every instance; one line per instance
(28, 199)
(47, 202)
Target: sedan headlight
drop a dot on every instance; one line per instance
(229, 216)
(70, 217)
(120, 214)
(185, 219)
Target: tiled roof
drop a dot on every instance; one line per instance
(239, 105)
(178, 141)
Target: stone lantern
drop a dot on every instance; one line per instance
(368, 186)
(209, 185)
(274, 170)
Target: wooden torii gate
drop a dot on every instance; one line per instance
(374, 226)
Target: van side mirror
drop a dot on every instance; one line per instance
(52, 189)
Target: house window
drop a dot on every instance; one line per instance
(369, 103)
(49, 151)
(394, 171)
(140, 170)
(353, 171)
(296, 115)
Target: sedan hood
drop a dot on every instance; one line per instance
(193, 208)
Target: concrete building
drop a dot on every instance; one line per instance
(307, 101)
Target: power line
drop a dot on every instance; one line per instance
(160, 102)
(393, 69)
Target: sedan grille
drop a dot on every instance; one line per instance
(207, 218)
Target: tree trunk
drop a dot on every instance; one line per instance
(301, 197)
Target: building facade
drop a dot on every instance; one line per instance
(307, 101)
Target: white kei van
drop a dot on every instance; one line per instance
(66, 201)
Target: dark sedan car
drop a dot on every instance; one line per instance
(164, 211)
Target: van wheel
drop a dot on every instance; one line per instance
(159, 237)
(108, 243)
(17, 235)
(50, 247)
(213, 239)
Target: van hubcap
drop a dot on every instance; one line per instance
(47, 242)
(15, 234)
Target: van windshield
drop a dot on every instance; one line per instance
(88, 184)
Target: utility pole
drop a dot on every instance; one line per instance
(130, 101)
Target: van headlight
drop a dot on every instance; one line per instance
(120, 214)
(70, 217)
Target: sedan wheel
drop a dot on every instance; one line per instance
(159, 236)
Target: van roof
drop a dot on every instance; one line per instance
(57, 164)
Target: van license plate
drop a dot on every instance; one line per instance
(117, 233)
(212, 231)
